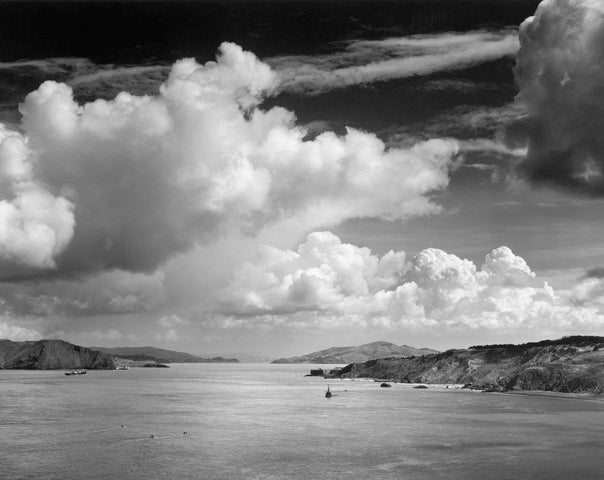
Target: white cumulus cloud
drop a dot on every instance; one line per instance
(9, 331)
(35, 224)
(171, 321)
(332, 284)
(150, 176)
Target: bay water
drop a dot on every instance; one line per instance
(263, 421)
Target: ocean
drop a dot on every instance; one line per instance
(263, 421)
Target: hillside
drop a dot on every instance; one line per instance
(51, 354)
(571, 364)
(160, 355)
(362, 353)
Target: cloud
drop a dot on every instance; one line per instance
(590, 288)
(171, 321)
(110, 80)
(110, 293)
(560, 72)
(465, 122)
(330, 284)
(462, 86)
(150, 176)
(35, 225)
(15, 333)
(596, 272)
(87, 78)
(18, 334)
(111, 335)
(367, 61)
(169, 336)
(49, 66)
(169, 324)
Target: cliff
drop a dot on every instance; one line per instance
(362, 353)
(51, 354)
(571, 364)
(160, 355)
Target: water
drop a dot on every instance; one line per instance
(260, 421)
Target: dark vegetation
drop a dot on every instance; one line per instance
(572, 364)
(573, 340)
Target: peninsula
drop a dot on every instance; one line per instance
(51, 354)
(361, 353)
(159, 355)
(571, 364)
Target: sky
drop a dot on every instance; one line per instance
(276, 178)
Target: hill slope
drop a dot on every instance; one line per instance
(51, 354)
(159, 355)
(362, 353)
(571, 364)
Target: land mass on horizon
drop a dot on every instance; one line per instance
(160, 355)
(59, 354)
(361, 353)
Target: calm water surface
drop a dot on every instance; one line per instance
(257, 421)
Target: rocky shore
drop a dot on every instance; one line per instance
(570, 365)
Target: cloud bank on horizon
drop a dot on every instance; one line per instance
(330, 284)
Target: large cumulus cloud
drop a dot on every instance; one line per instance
(35, 224)
(560, 72)
(331, 283)
(152, 175)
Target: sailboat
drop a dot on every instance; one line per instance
(328, 393)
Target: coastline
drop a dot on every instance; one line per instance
(595, 397)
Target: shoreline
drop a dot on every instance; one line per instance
(595, 397)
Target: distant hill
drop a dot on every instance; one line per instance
(160, 355)
(51, 354)
(570, 364)
(362, 353)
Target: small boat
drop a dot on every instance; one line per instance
(76, 372)
(123, 367)
(328, 393)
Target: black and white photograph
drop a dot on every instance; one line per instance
(301, 239)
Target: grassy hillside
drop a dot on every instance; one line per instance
(159, 355)
(51, 354)
(359, 353)
(571, 364)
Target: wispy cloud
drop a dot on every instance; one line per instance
(367, 61)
